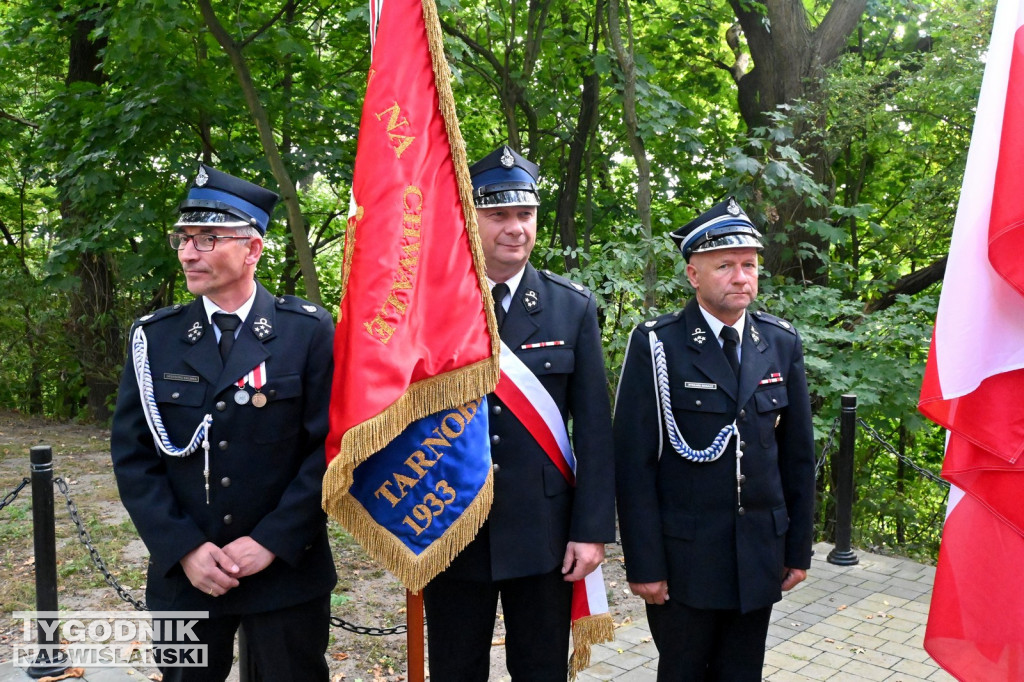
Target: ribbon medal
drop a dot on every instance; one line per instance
(256, 378)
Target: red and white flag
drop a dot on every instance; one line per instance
(974, 382)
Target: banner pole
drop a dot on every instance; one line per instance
(414, 634)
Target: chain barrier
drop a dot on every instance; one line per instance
(83, 537)
(372, 632)
(125, 595)
(931, 476)
(13, 495)
(827, 448)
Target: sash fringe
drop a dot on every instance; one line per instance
(586, 632)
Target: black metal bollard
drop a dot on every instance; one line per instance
(51, 660)
(842, 468)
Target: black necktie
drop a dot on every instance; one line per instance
(227, 323)
(730, 342)
(498, 293)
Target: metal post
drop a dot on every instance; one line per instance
(51, 659)
(842, 468)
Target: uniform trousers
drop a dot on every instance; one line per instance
(286, 645)
(708, 645)
(460, 626)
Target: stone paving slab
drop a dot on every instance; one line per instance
(843, 624)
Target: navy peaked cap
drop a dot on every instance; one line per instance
(723, 226)
(219, 199)
(505, 178)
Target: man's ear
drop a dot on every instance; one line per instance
(255, 251)
(691, 274)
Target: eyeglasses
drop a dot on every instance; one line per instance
(203, 241)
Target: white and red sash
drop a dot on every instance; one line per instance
(524, 394)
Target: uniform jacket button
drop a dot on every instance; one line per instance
(272, 393)
(496, 409)
(495, 439)
(228, 519)
(177, 395)
(743, 479)
(743, 414)
(547, 365)
(495, 468)
(223, 445)
(221, 406)
(743, 443)
(741, 511)
(697, 402)
(225, 482)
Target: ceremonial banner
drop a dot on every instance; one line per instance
(973, 384)
(416, 346)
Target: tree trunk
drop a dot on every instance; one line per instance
(624, 54)
(92, 325)
(586, 124)
(789, 64)
(289, 195)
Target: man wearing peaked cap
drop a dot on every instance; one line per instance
(714, 461)
(543, 533)
(218, 446)
(217, 198)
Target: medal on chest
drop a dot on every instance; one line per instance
(256, 378)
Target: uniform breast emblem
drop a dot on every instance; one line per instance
(194, 333)
(262, 328)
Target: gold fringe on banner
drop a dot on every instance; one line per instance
(586, 632)
(415, 571)
(446, 101)
(425, 397)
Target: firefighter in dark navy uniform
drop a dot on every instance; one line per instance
(218, 445)
(714, 461)
(542, 534)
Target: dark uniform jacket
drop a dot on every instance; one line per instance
(680, 520)
(536, 512)
(266, 463)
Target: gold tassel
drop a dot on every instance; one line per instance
(586, 632)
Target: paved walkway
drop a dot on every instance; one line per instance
(843, 624)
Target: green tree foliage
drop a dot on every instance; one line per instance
(850, 158)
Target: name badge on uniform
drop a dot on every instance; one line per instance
(700, 386)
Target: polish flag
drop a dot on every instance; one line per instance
(974, 386)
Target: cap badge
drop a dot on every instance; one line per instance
(507, 160)
(202, 178)
(699, 336)
(261, 328)
(530, 299)
(733, 207)
(195, 332)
